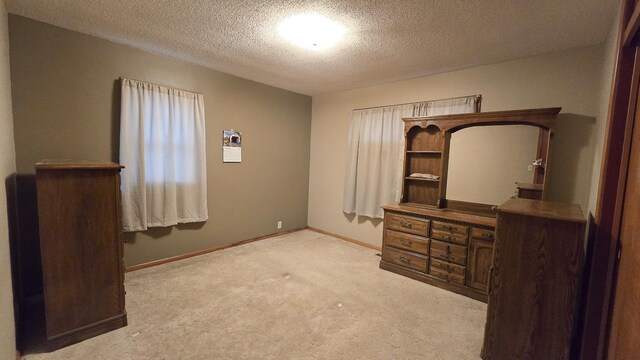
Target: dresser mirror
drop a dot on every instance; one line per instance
(486, 162)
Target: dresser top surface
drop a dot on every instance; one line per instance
(443, 214)
(544, 209)
(76, 164)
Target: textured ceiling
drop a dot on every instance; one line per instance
(386, 40)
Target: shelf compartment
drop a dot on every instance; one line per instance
(429, 139)
(424, 165)
(422, 192)
(420, 179)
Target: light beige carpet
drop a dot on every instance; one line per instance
(302, 295)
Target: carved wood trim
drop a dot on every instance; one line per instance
(542, 118)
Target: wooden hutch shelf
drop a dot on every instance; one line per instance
(424, 152)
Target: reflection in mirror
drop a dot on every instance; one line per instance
(485, 162)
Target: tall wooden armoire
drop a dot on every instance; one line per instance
(81, 244)
(533, 287)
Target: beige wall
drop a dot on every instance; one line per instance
(570, 79)
(603, 109)
(7, 170)
(66, 106)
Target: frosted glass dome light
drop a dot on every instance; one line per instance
(311, 31)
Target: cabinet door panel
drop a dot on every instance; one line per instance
(480, 256)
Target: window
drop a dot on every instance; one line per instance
(162, 146)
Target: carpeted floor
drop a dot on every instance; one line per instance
(302, 295)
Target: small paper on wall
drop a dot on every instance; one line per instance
(231, 146)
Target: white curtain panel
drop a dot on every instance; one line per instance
(445, 107)
(162, 146)
(375, 149)
(374, 159)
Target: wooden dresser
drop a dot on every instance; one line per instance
(448, 249)
(534, 281)
(81, 244)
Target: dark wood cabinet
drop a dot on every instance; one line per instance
(81, 243)
(533, 289)
(480, 256)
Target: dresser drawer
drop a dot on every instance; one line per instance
(483, 234)
(448, 277)
(450, 237)
(407, 224)
(449, 252)
(406, 241)
(404, 259)
(447, 267)
(450, 228)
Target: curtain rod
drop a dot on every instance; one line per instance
(167, 86)
(479, 96)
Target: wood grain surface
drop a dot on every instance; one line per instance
(534, 283)
(81, 244)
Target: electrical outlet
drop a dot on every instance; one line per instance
(279, 224)
(530, 167)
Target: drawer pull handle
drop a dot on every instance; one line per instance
(487, 235)
(405, 260)
(405, 224)
(406, 242)
(448, 227)
(448, 238)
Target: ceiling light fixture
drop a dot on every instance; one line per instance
(311, 31)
